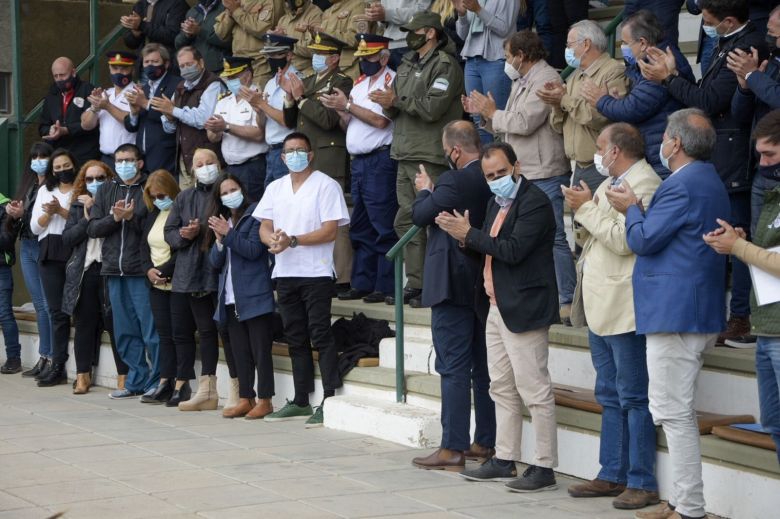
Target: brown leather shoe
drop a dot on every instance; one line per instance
(634, 498)
(241, 409)
(441, 459)
(661, 512)
(83, 381)
(596, 488)
(263, 408)
(479, 453)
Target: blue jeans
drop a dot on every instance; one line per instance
(136, 338)
(28, 259)
(275, 168)
(487, 76)
(461, 362)
(628, 443)
(768, 375)
(537, 13)
(761, 185)
(13, 350)
(740, 274)
(565, 272)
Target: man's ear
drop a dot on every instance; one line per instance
(140, 164)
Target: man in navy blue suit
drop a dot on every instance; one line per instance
(679, 297)
(449, 280)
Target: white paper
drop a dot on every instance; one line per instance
(765, 285)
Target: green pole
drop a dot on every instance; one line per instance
(16, 55)
(94, 40)
(400, 390)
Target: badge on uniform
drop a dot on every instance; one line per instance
(78, 101)
(342, 14)
(440, 84)
(775, 224)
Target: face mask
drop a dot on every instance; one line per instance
(121, 80)
(451, 162)
(154, 72)
(511, 71)
(414, 41)
(711, 30)
(276, 64)
(190, 73)
(207, 174)
(126, 170)
(66, 176)
(628, 55)
(318, 62)
(164, 204)
(39, 166)
(664, 160)
(65, 84)
(571, 59)
(92, 187)
(771, 42)
(503, 187)
(232, 200)
(598, 161)
(296, 161)
(369, 68)
(771, 172)
(234, 85)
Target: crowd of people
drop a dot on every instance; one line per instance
(204, 191)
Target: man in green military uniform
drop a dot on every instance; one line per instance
(423, 99)
(299, 16)
(304, 112)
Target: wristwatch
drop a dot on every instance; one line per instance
(293, 242)
(227, 128)
(348, 106)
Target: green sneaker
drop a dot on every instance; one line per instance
(290, 411)
(316, 420)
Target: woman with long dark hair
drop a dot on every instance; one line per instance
(246, 300)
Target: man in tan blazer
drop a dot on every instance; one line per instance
(604, 300)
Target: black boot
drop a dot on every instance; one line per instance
(161, 395)
(11, 366)
(36, 370)
(44, 370)
(56, 375)
(180, 395)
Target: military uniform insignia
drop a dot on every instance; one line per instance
(362, 25)
(342, 14)
(317, 39)
(265, 14)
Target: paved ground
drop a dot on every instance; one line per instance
(89, 456)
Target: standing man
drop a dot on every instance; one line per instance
(108, 108)
(393, 14)
(606, 265)
(240, 130)
(154, 21)
(300, 215)
(298, 16)
(450, 281)
(680, 310)
(63, 106)
(518, 305)
(425, 97)
(197, 30)
(369, 135)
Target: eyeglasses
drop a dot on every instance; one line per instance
(298, 150)
(159, 196)
(90, 180)
(571, 44)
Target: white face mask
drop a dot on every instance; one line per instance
(511, 71)
(207, 174)
(598, 161)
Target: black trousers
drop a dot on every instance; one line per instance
(171, 364)
(53, 279)
(564, 13)
(251, 343)
(188, 313)
(304, 304)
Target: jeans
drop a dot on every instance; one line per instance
(275, 168)
(565, 272)
(28, 259)
(740, 273)
(252, 175)
(53, 278)
(761, 185)
(627, 449)
(487, 76)
(13, 350)
(461, 362)
(768, 375)
(537, 14)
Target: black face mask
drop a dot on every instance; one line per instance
(66, 176)
(771, 42)
(277, 64)
(414, 40)
(154, 72)
(65, 84)
(771, 172)
(369, 68)
(451, 162)
(121, 80)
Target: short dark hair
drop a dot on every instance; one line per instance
(464, 134)
(768, 128)
(527, 42)
(644, 24)
(503, 147)
(297, 136)
(628, 138)
(53, 180)
(721, 9)
(129, 147)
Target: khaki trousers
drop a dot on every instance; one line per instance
(517, 363)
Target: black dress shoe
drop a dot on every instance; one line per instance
(179, 395)
(11, 366)
(45, 370)
(162, 394)
(338, 288)
(409, 294)
(374, 297)
(56, 375)
(36, 370)
(352, 294)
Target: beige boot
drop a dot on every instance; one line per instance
(83, 381)
(206, 399)
(233, 397)
(120, 381)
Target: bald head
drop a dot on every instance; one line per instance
(461, 143)
(62, 69)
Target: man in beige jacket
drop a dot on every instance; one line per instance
(604, 301)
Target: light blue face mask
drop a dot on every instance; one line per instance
(39, 166)
(234, 85)
(711, 30)
(233, 200)
(664, 160)
(92, 187)
(503, 187)
(164, 204)
(628, 55)
(126, 170)
(571, 60)
(296, 161)
(318, 62)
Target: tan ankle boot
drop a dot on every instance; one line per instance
(120, 381)
(206, 399)
(243, 406)
(233, 397)
(83, 381)
(263, 408)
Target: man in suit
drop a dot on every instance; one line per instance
(518, 305)
(679, 297)
(604, 301)
(449, 278)
(157, 146)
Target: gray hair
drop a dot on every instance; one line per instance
(643, 24)
(695, 131)
(590, 30)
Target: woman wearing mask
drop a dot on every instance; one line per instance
(246, 300)
(194, 282)
(49, 215)
(160, 191)
(19, 211)
(85, 296)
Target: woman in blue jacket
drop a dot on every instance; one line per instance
(246, 300)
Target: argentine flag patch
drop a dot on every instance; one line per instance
(441, 84)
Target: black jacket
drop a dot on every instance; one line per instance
(82, 144)
(163, 28)
(9, 230)
(146, 252)
(523, 266)
(121, 246)
(451, 272)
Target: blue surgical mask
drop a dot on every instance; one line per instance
(318, 62)
(503, 187)
(628, 54)
(92, 187)
(664, 160)
(39, 166)
(126, 170)
(711, 30)
(234, 85)
(164, 204)
(233, 200)
(572, 60)
(296, 161)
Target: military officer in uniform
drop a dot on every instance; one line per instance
(424, 97)
(240, 130)
(299, 16)
(304, 111)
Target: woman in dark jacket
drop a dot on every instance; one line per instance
(13, 349)
(85, 297)
(246, 300)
